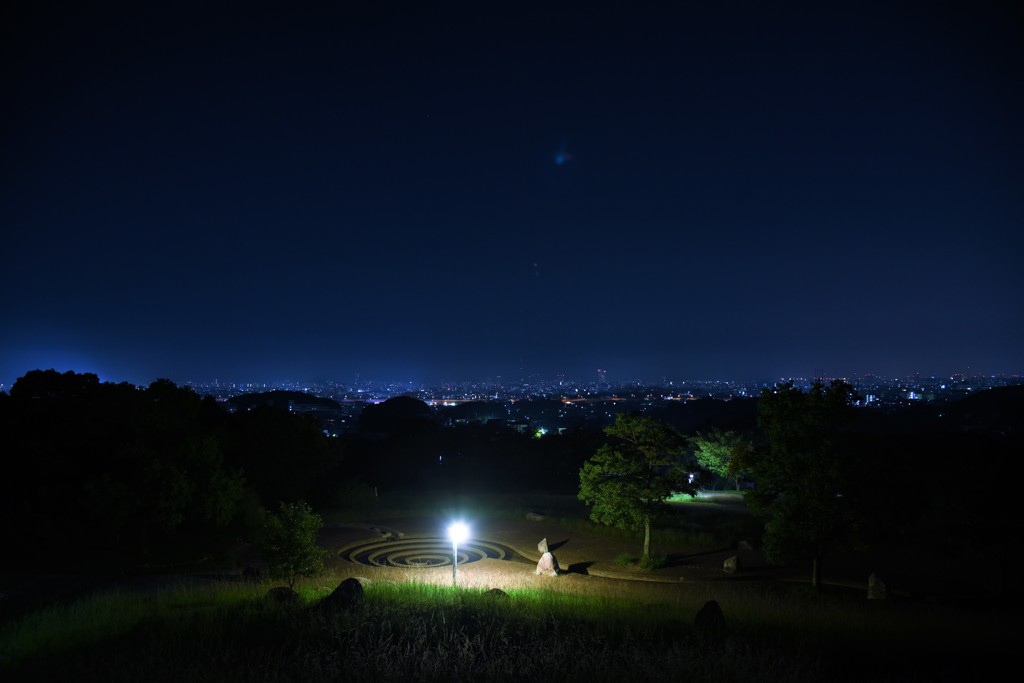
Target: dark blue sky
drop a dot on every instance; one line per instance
(455, 191)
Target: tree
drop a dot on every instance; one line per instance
(628, 481)
(399, 416)
(217, 489)
(121, 471)
(289, 542)
(801, 474)
(720, 452)
(283, 455)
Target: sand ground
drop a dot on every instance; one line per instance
(589, 560)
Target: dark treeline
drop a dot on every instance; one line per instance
(936, 476)
(402, 445)
(280, 399)
(112, 474)
(97, 474)
(931, 478)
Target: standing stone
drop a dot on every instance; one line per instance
(548, 565)
(876, 589)
(542, 547)
(709, 623)
(347, 596)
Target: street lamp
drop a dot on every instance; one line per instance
(458, 532)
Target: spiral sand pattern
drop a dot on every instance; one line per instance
(424, 552)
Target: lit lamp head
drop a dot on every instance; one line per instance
(458, 532)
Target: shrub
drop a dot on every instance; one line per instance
(289, 542)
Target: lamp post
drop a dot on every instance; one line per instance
(458, 532)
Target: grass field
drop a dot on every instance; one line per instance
(230, 632)
(409, 629)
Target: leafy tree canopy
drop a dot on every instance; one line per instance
(289, 542)
(721, 451)
(628, 480)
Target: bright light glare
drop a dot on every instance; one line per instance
(458, 532)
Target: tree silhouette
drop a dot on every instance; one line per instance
(801, 475)
(401, 416)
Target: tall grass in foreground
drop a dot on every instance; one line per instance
(419, 631)
(92, 620)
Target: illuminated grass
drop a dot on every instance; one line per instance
(424, 631)
(709, 498)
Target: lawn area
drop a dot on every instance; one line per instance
(578, 626)
(420, 631)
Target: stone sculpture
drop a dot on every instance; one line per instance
(548, 565)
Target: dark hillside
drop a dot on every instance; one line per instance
(280, 399)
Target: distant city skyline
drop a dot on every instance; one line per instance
(595, 378)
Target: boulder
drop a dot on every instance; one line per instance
(744, 545)
(534, 517)
(347, 596)
(709, 624)
(731, 565)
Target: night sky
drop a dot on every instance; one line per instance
(457, 191)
